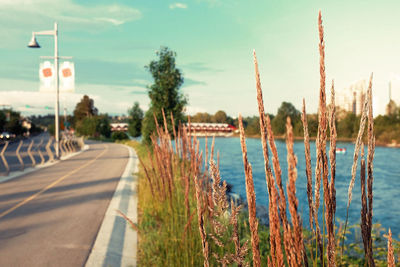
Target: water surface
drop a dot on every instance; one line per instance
(386, 187)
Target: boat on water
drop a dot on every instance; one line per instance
(340, 150)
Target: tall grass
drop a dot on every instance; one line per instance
(187, 218)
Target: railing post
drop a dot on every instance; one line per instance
(30, 153)
(82, 143)
(40, 152)
(48, 149)
(19, 156)
(4, 158)
(65, 146)
(62, 152)
(70, 146)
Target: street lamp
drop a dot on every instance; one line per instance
(34, 44)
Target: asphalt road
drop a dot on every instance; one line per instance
(51, 217)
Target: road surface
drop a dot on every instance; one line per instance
(51, 217)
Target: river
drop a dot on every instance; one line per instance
(386, 187)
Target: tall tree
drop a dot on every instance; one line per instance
(135, 120)
(201, 117)
(220, 117)
(13, 122)
(164, 93)
(3, 120)
(85, 108)
(285, 110)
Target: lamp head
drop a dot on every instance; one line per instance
(33, 43)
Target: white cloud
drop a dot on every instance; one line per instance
(191, 110)
(108, 99)
(11, 11)
(141, 82)
(34, 102)
(178, 5)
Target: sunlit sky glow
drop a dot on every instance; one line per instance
(112, 41)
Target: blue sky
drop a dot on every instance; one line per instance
(112, 41)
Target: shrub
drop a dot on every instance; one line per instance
(119, 136)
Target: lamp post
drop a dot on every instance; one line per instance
(34, 44)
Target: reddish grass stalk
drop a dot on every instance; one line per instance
(308, 165)
(370, 158)
(251, 198)
(275, 236)
(240, 251)
(212, 149)
(161, 192)
(297, 236)
(188, 224)
(147, 176)
(157, 127)
(330, 195)
(281, 199)
(165, 121)
(174, 132)
(366, 210)
(355, 159)
(159, 165)
(321, 160)
(321, 115)
(200, 220)
(390, 255)
(131, 223)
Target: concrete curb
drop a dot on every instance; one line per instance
(116, 243)
(17, 174)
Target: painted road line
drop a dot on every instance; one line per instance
(116, 243)
(52, 184)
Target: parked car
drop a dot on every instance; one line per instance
(5, 135)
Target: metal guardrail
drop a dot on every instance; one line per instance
(3, 158)
(29, 153)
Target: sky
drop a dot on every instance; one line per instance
(111, 42)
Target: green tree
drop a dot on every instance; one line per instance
(2, 120)
(348, 126)
(135, 120)
(85, 108)
(103, 125)
(312, 120)
(94, 126)
(201, 117)
(252, 125)
(119, 136)
(164, 93)
(279, 122)
(87, 126)
(220, 117)
(13, 123)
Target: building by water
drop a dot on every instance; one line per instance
(351, 99)
(211, 129)
(119, 127)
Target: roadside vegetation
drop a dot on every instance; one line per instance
(186, 217)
